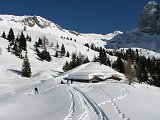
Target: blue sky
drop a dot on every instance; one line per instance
(86, 16)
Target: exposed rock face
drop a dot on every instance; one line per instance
(31, 21)
(150, 18)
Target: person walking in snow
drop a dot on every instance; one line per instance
(71, 81)
(36, 90)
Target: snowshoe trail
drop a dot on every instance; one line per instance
(124, 92)
(87, 88)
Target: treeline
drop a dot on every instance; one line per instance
(146, 70)
(67, 38)
(76, 60)
(129, 62)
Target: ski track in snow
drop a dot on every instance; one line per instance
(72, 107)
(124, 93)
(90, 110)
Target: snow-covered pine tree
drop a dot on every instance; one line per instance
(66, 66)
(63, 51)
(4, 35)
(26, 67)
(16, 48)
(56, 54)
(22, 42)
(67, 54)
(11, 36)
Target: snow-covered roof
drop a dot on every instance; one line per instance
(94, 69)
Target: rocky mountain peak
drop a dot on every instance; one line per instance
(150, 18)
(36, 20)
(30, 21)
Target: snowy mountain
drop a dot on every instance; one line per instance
(150, 18)
(39, 24)
(107, 100)
(135, 38)
(146, 35)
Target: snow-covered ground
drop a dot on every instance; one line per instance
(108, 100)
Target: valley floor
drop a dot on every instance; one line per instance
(109, 100)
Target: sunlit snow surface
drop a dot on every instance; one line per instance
(113, 100)
(108, 100)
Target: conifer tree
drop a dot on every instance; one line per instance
(28, 38)
(56, 54)
(95, 59)
(45, 55)
(16, 48)
(66, 67)
(39, 42)
(63, 51)
(51, 45)
(119, 65)
(57, 46)
(26, 67)
(4, 35)
(67, 54)
(86, 60)
(73, 62)
(22, 42)
(37, 50)
(25, 28)
(11, 36)
(108, 62)
(9, 48)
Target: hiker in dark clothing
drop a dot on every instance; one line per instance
(36, 90)
(71, 81)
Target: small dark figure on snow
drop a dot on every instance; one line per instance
(71, 81)
(62, 82)
(36, 90)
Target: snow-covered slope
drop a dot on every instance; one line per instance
(109, 100)
(39, 28)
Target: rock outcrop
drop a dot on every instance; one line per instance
(150, 19)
